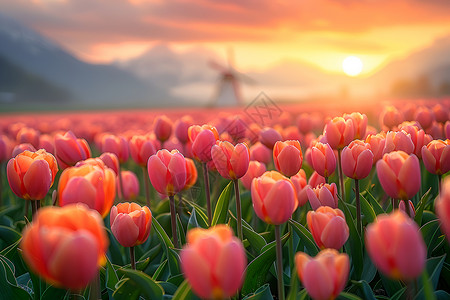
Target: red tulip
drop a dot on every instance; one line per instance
(436, 156)
(31, 174)
(21, 148)
(273, 197)
(316, 179)
(62, 239)
(47, 142)
(69, 149)
(288, 157)
(323, 195)
(323, 159)
(255, 169)
(5, 148)
(231, 161)
(339, 132)
(213, 261)
(328, 227)
(162, 128)
(324, 276)
(130, 223)
(399, 174)
(396, 246)
(167, 171)
(181, 128)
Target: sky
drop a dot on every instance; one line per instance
(261, 33)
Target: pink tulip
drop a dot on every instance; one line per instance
(412, 210)
(417, 135)
(203, 138)
(300, 184)
(377, 143)
(141, 148)
(304, 123)
(28, 135)
(255, 169)
(396, 246)
(435, 131)
(269, 136)
(5, 148)
(260, 153)
(130, 223)
(287, 157)
(130, 186)
(323, 159)
(167, 171)
(47, 142)
(21, 148)
(213, 261)
(315, 179)
(231, 161)
(328, 227)
(323, 195)
(436, 156)
(111, 161)
(441, 113)
(273, 197)
(117, 145)
(181, 128)
(69, 149)
(162, 128)
(442, 207)
(357, 160)
(324, 276)
(447, 129)
(359, 124)
(399, 174)
(339, 132)
(398, 141)
(390, 117)
(424, 116)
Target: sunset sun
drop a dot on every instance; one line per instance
(352, 66)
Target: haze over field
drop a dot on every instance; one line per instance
(159, 53)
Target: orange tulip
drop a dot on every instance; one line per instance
(130, 223)
(325, 275)
(69, 149)
(213, 262)
(191, 173)
(91, 183)
(66, 246)
(31, 174)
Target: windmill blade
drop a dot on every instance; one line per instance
(230, 58)
(217, 66)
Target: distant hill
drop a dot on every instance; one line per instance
(87, 83)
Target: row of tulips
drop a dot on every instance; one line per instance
(213, 261)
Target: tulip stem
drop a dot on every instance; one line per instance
(394, 204)
(208, 195)
(279, 263)
(54, 197)
(341, 175)
(173, 220)
(132, 258)
(1, 184)
(358, 207)
(238, 209)
(34, 208)
(439, 183)
(146, 184)
(94, 292)
(326, 179)
(121, 184)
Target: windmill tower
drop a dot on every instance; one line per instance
(228, 90)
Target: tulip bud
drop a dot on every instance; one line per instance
(288, 157)
(396, 246)
(325, 275)
(359, 124)
(328, 227)
(436, 156)
(181, 128)
(130, 223)
(260, 153)
(339, 132)
(322, 195)
(300, 184)
(203, 138)
(390, 117)
(442, 207)
(377, 143)
(28, 135)
(111, 161)
(162, 128)
(255, 169)
(117, 145)
(357, 160)
(21, 148)
(398, 141)
(213, 261)
(231, 161)
(167, 171)
(130, 186)
(69, 149)
(424, 116)
(141, 148)
(269, 136)
(323, 159)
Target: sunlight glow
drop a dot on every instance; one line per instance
(352, 65)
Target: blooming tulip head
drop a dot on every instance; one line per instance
(191, 173)
(255, 169)
(442, 206)
(213, 262)
(390, 117)
(273, 197)
(181, 128)
(65, 238)
(396, 246)
(357, 160)
(322, 195)
(424, 116)
(260, 153)
(231, 161)
(325, 275)
(91, 183)
(141, 148)
(441, 113)
(130, 223)
(69, 149)
(117, 145)
(328, 227)
(269, 136)
(304, 123)
(315, 179)
(46, 142)
(167, 171)
(28, 135)
(31, 174)
(300, 184)
(130, 185)
(376, 142)
(339, 132)
(21, 148)
(398, 141)
(288, 157)
(323, 159)
(436, 156)
(399, 174)
(111, 161)
(162, 128)
(203, 138)
(417, 135)
(359, 124)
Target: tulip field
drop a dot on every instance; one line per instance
(302, 201)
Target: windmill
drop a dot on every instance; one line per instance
(229, 81)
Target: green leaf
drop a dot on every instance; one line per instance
(9, 235)
(8, 283)
(111, 275)
(195, 222)
(263, 293)
(375, 205)
(434, 267)
(256, 240)
(442, 295)
(147, 287)
(258, 268)
(348, 296)
(421, 206)
(367, 210)
(52, 293)
(306, 238)
(399, 294)
(160, 269)
(184, 292)
(220, 213)
(365, 289)
(126, 289)
(391, 286)
(427, 292)
(430, 232)
(201, 212)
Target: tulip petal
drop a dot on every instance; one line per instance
(38, 179)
